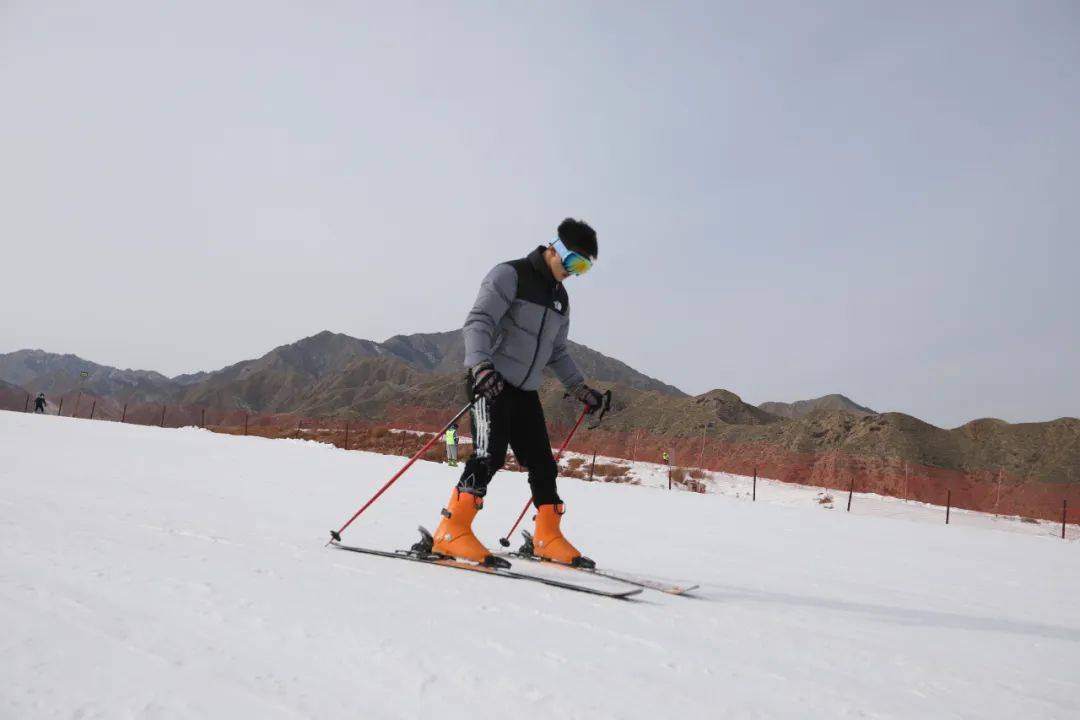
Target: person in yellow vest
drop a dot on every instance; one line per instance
(667, 458)
(451, 446)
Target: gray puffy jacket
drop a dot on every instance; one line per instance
(519, 322)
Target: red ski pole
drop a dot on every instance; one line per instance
(505, 541)
(336, 535)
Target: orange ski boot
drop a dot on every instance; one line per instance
(548, 541)
(454, 536)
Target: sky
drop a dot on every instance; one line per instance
(878, 199)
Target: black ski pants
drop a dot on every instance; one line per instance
(515, 419)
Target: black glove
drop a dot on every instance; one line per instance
(593, 399)
(487, 382)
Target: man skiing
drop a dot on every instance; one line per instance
(517, 327)
(451, 445)
(39, 403)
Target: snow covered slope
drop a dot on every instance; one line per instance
(163, 573)
(776, 492)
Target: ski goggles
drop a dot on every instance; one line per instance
(574, 262)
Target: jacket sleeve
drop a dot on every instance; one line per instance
(497, 292)
(565, 368)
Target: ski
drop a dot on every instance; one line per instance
(525, 553)
(414, 556)
(641, 582)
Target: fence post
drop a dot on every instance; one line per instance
(60, 409)
(346, 435)
(163, 415)
(1064, 510)
(93, 407)
(669, 476)
(245, 423)
(948, 506)
(123, 415)
(593, 466)
(299, 423)
(753, 497)
(202, 422)
(850, 492)
(26, 408)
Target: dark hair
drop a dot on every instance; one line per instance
(579, 237)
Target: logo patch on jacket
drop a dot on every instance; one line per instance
(558, 306)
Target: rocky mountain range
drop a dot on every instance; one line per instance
(53, 374)
(4, 385)
(416, 379)
(320, 372)
(802, 408)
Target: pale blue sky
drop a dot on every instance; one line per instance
(878, 199)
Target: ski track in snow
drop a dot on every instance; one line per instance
(149, 573)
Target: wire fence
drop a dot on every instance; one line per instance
(991, 490)
(341, 432)
(986, 491)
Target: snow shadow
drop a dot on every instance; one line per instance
(908, 616)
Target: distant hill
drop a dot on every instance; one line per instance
(280, 380)
(445, 353)
(411, 379)
(11, 395)
(53, 374)
(10, 386)
(321, 371)
(332, 373)
(801, 408)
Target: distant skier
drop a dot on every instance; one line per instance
(667, 458)
(39, 403)
(517, 327)
(451, 446)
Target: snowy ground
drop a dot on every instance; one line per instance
(164, 573)
(774, 492)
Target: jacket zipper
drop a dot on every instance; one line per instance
(539, 339)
